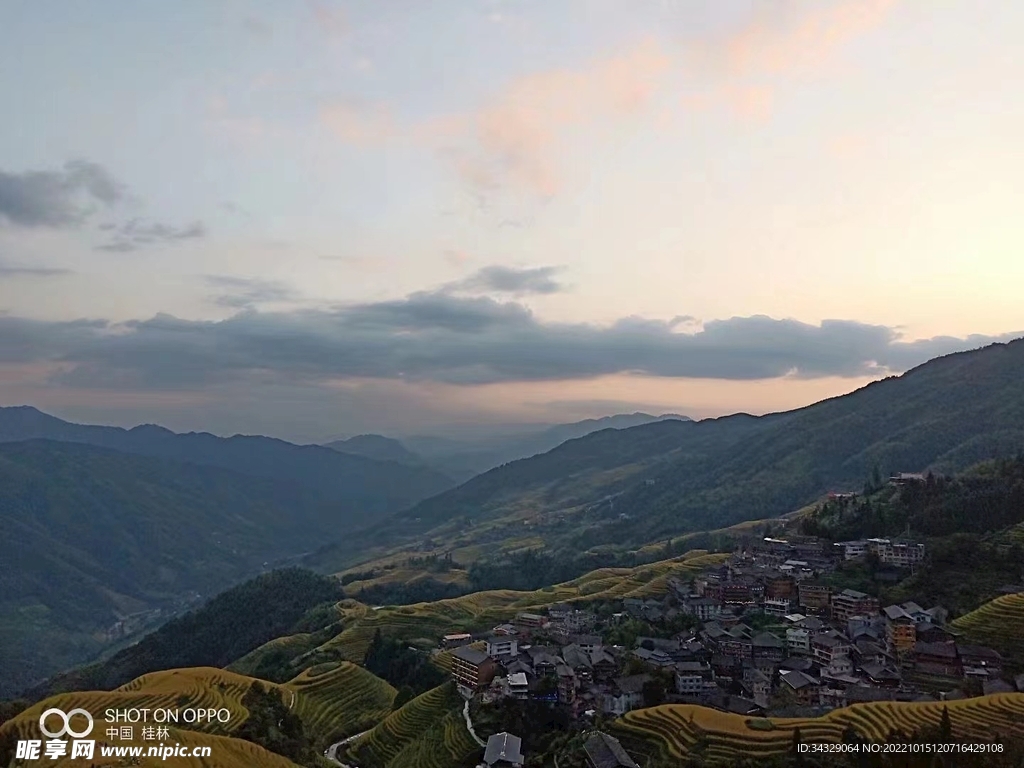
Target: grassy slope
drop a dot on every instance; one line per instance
(677, 730)
(998, 623)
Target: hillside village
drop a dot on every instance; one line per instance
(762, 635)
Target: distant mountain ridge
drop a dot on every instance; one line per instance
(377, 447)
(644, 483)
(465, 458)
(366, 487)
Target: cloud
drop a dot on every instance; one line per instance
(330, 19)
(136, 234)
(56, 199)
(8, 269)
(439, 337)
(518, 282)
(246, 293)
(791, 35)
(513, 142)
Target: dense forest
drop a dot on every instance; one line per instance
(987, 497)
(407, 669)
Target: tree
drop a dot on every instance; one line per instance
(654, 693)
(945, 726)
(798, 757)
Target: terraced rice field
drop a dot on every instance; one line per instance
(484, 609)
(199, 687)
(998, 623)
(341, 701)
(447, 743)
(196, 687)
(410, 724)
(675, 730)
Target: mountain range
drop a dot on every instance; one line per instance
(619, 488)
(105, 532)
(467, 457)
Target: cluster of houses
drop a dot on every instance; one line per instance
(767, 636)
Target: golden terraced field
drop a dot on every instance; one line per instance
(341, 701)
(482, 609)
(998, 623)
(676, 730)
(414, 727)
(204, 687)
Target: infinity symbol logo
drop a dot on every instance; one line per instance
(66, 730)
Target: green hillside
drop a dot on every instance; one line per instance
(226, 628)
(633, 486)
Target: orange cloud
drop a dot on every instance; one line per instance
(764, 46)
(514, 139)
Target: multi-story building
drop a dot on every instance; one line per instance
(626, 694)
(781, 586)
(765, 645)
(802, 687)
(454, 641)
(472, 668)
(814, 597)
(737, 592)
(692, 677)
(825, 647)
(530, 620)
(798, 641)
(901, 554)
(502, 646)
(900, 630)
(777, 606)
(703, 608)
(850, 603)
(852, 549)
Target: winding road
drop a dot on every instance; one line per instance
(332, 751)
(469, 726)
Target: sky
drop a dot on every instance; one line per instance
(315, 219)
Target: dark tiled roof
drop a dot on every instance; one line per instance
(632, 684)
(503, 746)
(944, 650)
(605, 751)
(470, 655)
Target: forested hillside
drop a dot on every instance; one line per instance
(674, 476)
(89, 536)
